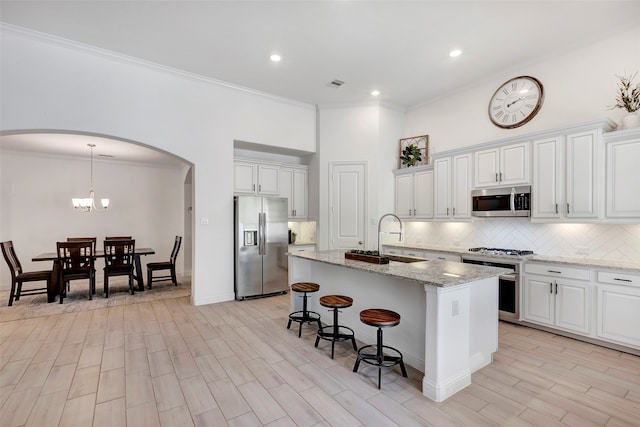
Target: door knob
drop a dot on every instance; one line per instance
(360, 242)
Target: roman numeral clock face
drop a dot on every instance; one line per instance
(516, 102)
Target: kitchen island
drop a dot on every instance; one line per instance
(449, 310)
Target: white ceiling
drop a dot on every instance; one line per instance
(398, 47)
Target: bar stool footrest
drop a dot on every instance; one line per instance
(331, 336)
(387, 360)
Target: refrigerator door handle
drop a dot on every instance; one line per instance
(259, 233)
(263, 233)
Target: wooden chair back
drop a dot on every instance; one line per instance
(11, 258)
(119, 253)
(76, 257)
(117, 238)
(176, 249)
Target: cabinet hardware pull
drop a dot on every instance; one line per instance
(568, 208)
(409, 212)
(447, 211)
(550, 287)
(554, 271)
(556, 288)
(454, 211)
(414, 211)
(260, 187)
(497, 177)
(622, 280)
(556, 208)
(442, 258)
(500, 176)
(253, 187)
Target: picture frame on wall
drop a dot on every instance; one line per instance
(414, 151)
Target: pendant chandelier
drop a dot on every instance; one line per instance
(88, 204)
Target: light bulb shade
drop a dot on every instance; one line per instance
(105, 203)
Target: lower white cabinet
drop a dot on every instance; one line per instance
(561, 299)
(618, 318)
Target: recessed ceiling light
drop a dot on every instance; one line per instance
(375, 92)
(455, 52)
(275, 57)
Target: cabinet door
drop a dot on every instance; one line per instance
(404, 195)
(461, 186)
(300, 190)
(268, 178)
(244, 178)
(547, 178)
(581, 175)
(573, 305)
(423, 194)
(486, 168)
(286, 188)
(538, 300)
(514, 164)
(623, 177)
(442, 187)
(619, 314)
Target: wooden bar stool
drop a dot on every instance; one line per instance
(304, 316)
(336, 332)
(380, 318)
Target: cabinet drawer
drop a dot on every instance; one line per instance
(555, 270)
(443, 256)
(619, 278)
(391, 251)
(414, 253)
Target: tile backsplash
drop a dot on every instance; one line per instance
(305, 230)
(599, 241)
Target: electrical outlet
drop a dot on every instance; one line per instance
(582, 250)
(204, 220)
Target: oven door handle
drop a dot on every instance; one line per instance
(510, 277)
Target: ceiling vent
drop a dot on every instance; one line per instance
(335, 83)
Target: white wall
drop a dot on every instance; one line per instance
(579, 87)
(367, 133)
(50, 84)
(36, 192)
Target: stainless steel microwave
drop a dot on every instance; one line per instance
(504, 201)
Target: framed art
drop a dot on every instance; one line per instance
(414, 151)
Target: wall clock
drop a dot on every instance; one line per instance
(516, 102)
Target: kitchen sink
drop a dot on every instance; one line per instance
(405, 259)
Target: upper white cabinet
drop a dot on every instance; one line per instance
(256, 178)
(507, 165)
(582, 173)
(414, 194)
(452, 183)
(623, 173)
(294, 186)
(567, 176)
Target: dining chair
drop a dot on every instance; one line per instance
(76, 261)
(119, 261)
(18, 277)
(93, 240)
(117, 238)
(168, 265)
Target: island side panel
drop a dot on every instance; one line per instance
(484, 323)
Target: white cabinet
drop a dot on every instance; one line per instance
(452, 184)
(547, 189)
(565, 176)
(623, 173)
(618, 295)
(420, 253)
(294, 186)
(255, 178)
(558, 296)
(414, 194)
(507, 165)
(302, 248)
(582, 173)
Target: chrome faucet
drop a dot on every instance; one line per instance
(390, 232)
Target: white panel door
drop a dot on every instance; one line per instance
(347, 206)
(461, 187)
(286, 188)
(514, 164)
(581, 175)
(268, 179)
(538, 300)
(573, 305)
(423, 194)
(300, 189)
(244, 178)
(623, 178)
(547, 178)
(404, 196)
(442, 187)
(487, 167)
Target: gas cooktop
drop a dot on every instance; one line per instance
(500, 251)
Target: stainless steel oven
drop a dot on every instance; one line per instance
(508, 286)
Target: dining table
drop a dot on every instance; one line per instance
(54, 288)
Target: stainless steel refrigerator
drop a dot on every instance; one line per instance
(261, 244)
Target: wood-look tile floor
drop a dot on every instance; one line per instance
(168, 363)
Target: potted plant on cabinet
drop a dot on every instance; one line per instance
(628, 99)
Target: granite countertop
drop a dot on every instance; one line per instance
(434, 273)
(630, 266)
